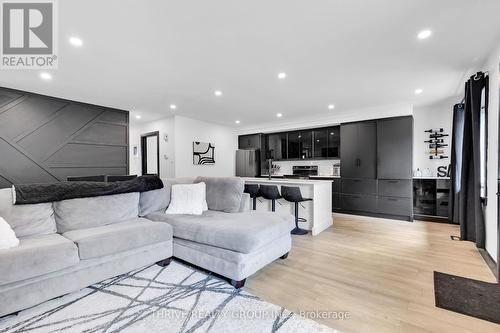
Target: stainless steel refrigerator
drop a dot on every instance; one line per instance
(248, 162)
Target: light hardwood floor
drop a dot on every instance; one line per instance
(380, 271)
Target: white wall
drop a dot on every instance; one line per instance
(225, 139)
(167, 154)
(176, 153)
(492, 66)
(438, 115)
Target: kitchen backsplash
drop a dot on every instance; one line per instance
(325, 167)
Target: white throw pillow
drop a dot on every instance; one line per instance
(8, 238)
(187, 199)
(205, 204)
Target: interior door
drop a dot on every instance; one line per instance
(367, 150)
(150, 153)
(349, 151)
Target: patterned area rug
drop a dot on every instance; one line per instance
(176, 298)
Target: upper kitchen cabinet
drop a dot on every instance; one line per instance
(326, 142)
(306, 145)
(277, 143)
(300, 145)
(250, 141)
(320, 141)
(395, 146)
(359, 150)
(333, 142)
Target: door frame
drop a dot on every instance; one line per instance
(498, 199)
(144, 138)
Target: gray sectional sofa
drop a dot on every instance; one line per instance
(68, 245)
(71, 244)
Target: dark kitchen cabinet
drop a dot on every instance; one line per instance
(367, 145)
(431, 199)
(359, 203)
(300, 145)
(250, 141)
(349, 150)
(293, 145)
(358, 150)
(306, 145)
(326, 142)
(394, 148)
(359, 186)
(376, 167)
(333, 142)
(277, 143)
(336, 197)
(320, 141)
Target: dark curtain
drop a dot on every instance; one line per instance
(456, 161)
(468, 205)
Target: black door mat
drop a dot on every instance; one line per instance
(470, 297)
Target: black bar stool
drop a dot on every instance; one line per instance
(293, 194)
(270, 192)
(253, 190)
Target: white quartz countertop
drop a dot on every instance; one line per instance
(429, 177)
(287, 181)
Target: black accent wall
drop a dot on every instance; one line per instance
(45, 139)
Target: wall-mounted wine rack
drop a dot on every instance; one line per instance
(437, 143)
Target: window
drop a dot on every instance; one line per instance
(483, 149)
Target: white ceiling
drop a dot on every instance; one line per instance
(144, 55)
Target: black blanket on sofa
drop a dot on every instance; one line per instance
(39, 193)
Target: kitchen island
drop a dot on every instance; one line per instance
(317, 212)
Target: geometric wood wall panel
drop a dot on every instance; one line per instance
(79, 155)
(117, 117)
(20, 167)
(105, 134)
(64, 173)
(45, 139)
(6, 97)
(27, 115)
(4, 182)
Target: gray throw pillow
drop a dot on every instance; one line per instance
(74, 214)
(223, 194)
(27, 220)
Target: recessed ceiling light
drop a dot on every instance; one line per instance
(331, 133)
(237, 122)
(173, 106)
(424, 34)
(279, 115)
(218, 93)
(418, 91)
(331, 107)
(46, 76)
(75, 41)
(138, 117)
(281, 75)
